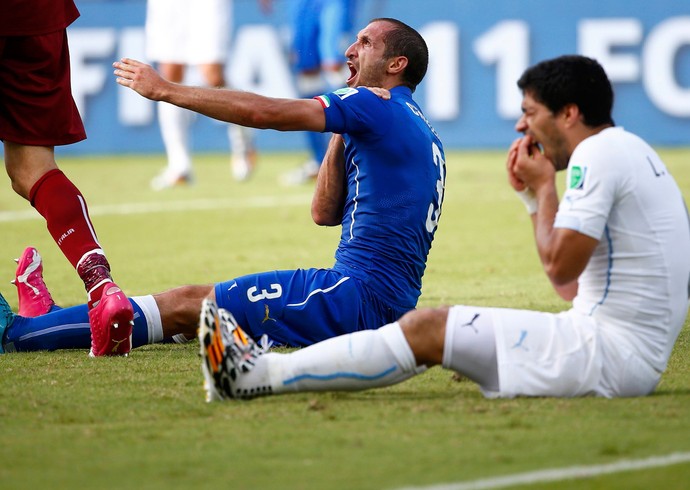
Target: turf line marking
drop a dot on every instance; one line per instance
(171, 207)
(559, 474)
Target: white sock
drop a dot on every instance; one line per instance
(175, 122)
(357, 361)
(152, 314)
(241, 140)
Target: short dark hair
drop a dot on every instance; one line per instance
(403, 40)
(571, 79)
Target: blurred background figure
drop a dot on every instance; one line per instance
(322, 30)
(180, 34)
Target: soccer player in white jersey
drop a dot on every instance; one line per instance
(181, 34)
(616, 245)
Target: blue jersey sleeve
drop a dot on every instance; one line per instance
(356, 111)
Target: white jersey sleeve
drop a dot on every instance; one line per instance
(593, 182)
(635, 284)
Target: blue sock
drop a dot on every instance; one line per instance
(64, 328)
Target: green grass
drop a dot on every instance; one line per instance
(67, 421)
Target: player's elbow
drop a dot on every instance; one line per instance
(567, 291)
(326, 209)
(564, 286)
(567, 257)
(559, 275)
(324, 218)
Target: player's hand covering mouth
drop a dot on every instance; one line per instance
(534, 145)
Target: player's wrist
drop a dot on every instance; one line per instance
(529, 199)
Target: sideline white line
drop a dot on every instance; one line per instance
(558, 474)
(171, 206)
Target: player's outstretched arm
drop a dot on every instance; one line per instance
(233, 106)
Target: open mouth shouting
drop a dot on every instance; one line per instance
(353, 74)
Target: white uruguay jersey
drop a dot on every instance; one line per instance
(636, 284)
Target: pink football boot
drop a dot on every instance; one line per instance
(111, 322)
(34, 297)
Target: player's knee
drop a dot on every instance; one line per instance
(26, 165)
(173, 72)
(213, 75)
(215, 80)
(425, 320)
(180, 307)
(425, 331)
(20, 189)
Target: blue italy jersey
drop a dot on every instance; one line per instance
(395, 168)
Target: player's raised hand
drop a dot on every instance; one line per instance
(140, 77)
(513, 179)
(531, 167)
(382, 93)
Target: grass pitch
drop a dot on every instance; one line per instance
(68, 421)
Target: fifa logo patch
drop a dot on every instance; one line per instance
(345, 92)
(577, 177)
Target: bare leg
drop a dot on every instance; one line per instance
(425, 331)
(213, 74)
(179, 309)
(26, 164)
(175, 123)
(243, 159)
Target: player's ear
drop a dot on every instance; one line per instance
(397, 65)
(571, 113)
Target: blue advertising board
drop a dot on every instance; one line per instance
(478, 49)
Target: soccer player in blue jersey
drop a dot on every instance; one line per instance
(320, 30)
(382, 180)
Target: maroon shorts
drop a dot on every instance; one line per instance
(36, 104)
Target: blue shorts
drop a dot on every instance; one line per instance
(300, 307)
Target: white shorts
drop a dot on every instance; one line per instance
(188, 32)
(555, 354)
